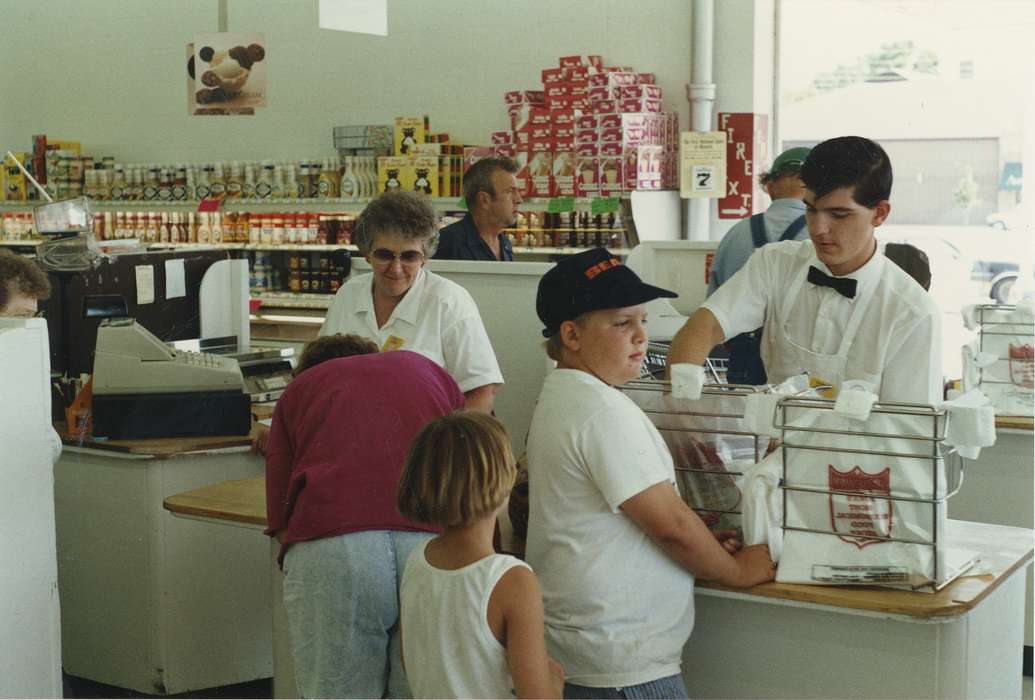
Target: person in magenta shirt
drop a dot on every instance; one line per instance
(336, 450)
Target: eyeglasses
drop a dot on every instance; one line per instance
(408, 258)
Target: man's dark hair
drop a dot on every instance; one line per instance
(849, 161)
(478, 177)
(331, 347)
(20, 275)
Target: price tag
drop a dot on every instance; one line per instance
(558, 205)
(603, 205)
(210, 204)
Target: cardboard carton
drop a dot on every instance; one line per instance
(409, 131)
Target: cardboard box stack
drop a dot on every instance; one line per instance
(593, 130)
(423, 161)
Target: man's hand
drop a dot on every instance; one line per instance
(729, 540)
(260, 436)
(754, 566)
(687, 380)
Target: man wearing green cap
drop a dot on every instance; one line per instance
(784, 220)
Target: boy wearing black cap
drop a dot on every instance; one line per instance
(615, 547)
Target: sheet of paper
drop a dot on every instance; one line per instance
(361, 16)
(175, 279)
(145, 284)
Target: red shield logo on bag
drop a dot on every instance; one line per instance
(1022, 366)
(858, 518)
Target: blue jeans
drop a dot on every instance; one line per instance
(341, 595)
(670, 687)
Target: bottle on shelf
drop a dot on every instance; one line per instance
(254, 229)
(248, 184)
(235, 181)
(118, 182)
(165, 185)
(151, 183)
(151, 232)
(204, 230)
(203, 185)
(163, 228)
(290, 180)
(278, 182)
(303, 179)
(174, 227)
(179, 185)
(192, 228)
(327, 186)
(217, 184)
(264, 187)
(349, 182)
(216, 227)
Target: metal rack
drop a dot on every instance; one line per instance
(994, 322)
(704, 436)
(656, 362)
(896, 425)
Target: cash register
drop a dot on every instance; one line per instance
(143, 388)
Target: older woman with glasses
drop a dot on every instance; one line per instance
(401, 305)
(22, 285)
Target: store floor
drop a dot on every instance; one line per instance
(82, 688)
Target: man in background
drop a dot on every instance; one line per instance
(784, 220)
(492, 195)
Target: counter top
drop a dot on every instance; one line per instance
(1003, 550)
(158, 447)
(1015, 422)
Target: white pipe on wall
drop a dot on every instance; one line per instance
(701, 93)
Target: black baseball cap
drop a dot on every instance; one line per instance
(589, 281)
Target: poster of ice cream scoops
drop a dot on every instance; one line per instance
(228, 72)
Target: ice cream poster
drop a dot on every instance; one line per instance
(226, 73)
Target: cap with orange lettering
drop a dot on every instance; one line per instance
(590, 281)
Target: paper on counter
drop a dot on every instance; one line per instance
(175, 279)
(145, 284)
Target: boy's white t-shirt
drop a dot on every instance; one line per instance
(448, 648)
(618, 609)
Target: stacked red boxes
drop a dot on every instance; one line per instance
(591, 131)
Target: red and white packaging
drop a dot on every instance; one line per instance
(501, 137)
(540, 174)
(611, 134)
(540, 143)
(643, 167)
(516, 97)
(564, 131)
(473, 154)
(601, 92)
(562, 118)
(611, 79)
(586, 136)
(577, 88)
(521, 138)
(638, 104)
(611, 149)
(556, 89)
(605, 107)
(551, 75)
(563, 173)
(576, 61)
(564, 142)
(561, 102)
(598, 80)
(587, 164)
(645, 79)
(524, 183)
(505, 150)
(541, 131)
(581, 104)
(609, 175)
(521, 116)
(587, 121)
(609, 121)
(577, 72)
(640, 90)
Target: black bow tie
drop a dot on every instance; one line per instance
(842, 285)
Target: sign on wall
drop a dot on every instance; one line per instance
(226, 74)
(702, 164)
(746, 137)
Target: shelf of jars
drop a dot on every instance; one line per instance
(334, 204)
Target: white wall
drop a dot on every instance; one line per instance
(111, 73)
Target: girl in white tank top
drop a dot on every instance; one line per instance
(471, 619)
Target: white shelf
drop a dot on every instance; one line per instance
(22, 242)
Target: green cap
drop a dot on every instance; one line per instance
(790, 161)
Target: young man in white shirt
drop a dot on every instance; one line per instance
(833, 306)
(615, 547)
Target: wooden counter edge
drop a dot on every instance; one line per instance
(1015, 422)
(891, 601)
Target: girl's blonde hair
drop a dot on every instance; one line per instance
(459, 469)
